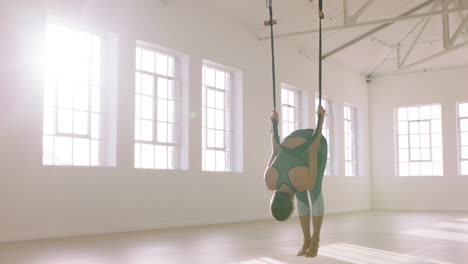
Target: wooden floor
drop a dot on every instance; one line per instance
(369, 237)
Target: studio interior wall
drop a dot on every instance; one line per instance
(44, 201)
(417, 193)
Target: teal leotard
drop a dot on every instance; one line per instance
(286, 160)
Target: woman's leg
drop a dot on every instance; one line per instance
(317, 219)
(303, 209)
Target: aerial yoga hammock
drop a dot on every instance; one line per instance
(297, 164)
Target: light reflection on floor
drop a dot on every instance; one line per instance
(263, 260)
(429, 233)
(364, 255)
(452, 225)
(463, 219)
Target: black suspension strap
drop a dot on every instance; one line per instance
(271, 23)
(321, 16)
(301, 148)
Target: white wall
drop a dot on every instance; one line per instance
(417, 193)
(38, 201)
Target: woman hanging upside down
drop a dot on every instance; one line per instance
(295, 170)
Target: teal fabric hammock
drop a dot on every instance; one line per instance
(303, 147)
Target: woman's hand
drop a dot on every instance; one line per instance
(274, 116)
(320, 110)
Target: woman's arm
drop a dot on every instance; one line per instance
(275, 148)
(313, 150)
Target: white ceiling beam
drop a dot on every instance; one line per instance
(458, 32)
(415, 41)
(460, 14)
(345, 12)
(377, 29)
(404, 16)
(445, 24)
(361, 10)
(423, 60)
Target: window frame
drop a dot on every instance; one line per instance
(298, 109)
(459, 132)
(104, 136)
(230, 94)
(177, 124)
(353, 120)
(432, 134)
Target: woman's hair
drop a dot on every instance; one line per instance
(282, 205)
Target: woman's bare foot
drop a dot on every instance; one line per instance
(312, 251)
(304, 248)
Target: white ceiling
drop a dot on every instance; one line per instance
(373, 55)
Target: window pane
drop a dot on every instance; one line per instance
(220, 161)
(65, 95)
(209, 77)
(220, 139)
(219, 119)
(464, 138)
(404, 169)
(404, 155)
(171, 91)
(48, 150)
(220, 100)
(81, 98)
(463, 110)
(285, 113)
(425, 141)
(49, 121)
(403, 128)
(211, 97)
(425, 112)
(211, 137)
(437, 154)
(162, 88)
(211, 118)
(147, 84)
(161, 157)
(137, 155)
(413, 113)
(162, 110)
(80, 123)
(284, 96)
(424, 127)
(81, 152)
(137, 129)
(147, 156)
(138, 106)
(146, 130)
(161, 64)
(95, 125)
(63, 151)
(138, 58)
(171, 111)
(162, 132)
(94, 152)
(65, 121)
(171, 133)
(148, 60)
(171, 155)
(220, 80)
(464, 125)
(171, 67)
(95, 99)
(414, 128)
(464, 167)
(147, 107)
(403, 141)
(402, 114)
(210, 162)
